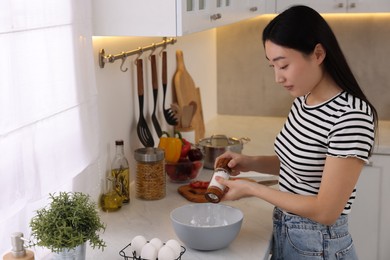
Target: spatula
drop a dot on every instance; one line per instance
(187, 114)
(144, 134)
(156, 124)
(177, 112)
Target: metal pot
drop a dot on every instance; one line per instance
(216, 145)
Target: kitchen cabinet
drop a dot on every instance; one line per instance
(369, 218)
(170, 17)
(338, 6)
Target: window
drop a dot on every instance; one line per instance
(48, 104)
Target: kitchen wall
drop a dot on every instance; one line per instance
(231, 57)
(118, 100)
(246, 84)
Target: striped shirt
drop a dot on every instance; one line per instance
(340, 127)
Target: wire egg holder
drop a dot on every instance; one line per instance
(135, 257)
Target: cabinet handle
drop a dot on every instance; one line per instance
(253, 9)
(340, 5)
(215, 16)
(352, 5)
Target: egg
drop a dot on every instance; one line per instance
(137, 243)
(166, 253)
(157, 243)
(172, 243)
(149, 252)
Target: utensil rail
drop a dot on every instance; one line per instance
(111, 58)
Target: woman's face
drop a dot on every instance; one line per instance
(299, 74)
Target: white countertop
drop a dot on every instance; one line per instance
(151, 218)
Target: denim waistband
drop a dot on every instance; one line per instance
(282, 216)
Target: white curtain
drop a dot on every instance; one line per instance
(48, 104)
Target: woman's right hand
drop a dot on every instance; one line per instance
(238, 163)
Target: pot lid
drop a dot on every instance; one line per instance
(219, 141)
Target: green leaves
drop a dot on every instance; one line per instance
(69, 220)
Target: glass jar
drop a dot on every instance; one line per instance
(150, 173)
(215, 190)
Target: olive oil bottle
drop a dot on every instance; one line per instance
(120, 172)
(110, 200)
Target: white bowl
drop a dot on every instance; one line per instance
(206, 226)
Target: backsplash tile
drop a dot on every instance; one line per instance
(246, 84)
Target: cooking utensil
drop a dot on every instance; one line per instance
(156, 124)
(216, 145)
(177, 113)
(168, 114)
(144, 134)
(187, 92)
(188, 113)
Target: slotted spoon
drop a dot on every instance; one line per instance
(168, 113)
(156, 124)
(144, 134)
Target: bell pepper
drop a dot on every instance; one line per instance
(171, 146)
(185, 148)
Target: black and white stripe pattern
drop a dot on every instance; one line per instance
(341, 127)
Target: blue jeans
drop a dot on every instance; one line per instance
(296, 238)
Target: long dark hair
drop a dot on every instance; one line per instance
(302, 28)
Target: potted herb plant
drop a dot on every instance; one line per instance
(66, 224)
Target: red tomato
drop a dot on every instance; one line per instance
(199, 184)
(195, 184)
(205, 184)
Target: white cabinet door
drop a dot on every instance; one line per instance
(270, 7)
(368, 6)
(250, 8)
(370, 215)
(152, 17)
(134, 17)
(321, 6)
(168, 17)
(338, 6)
(199, 15)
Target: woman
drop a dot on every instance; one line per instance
(323, 146)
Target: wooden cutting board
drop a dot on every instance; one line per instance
(186, 91)
(197, 194)
(192, 194)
